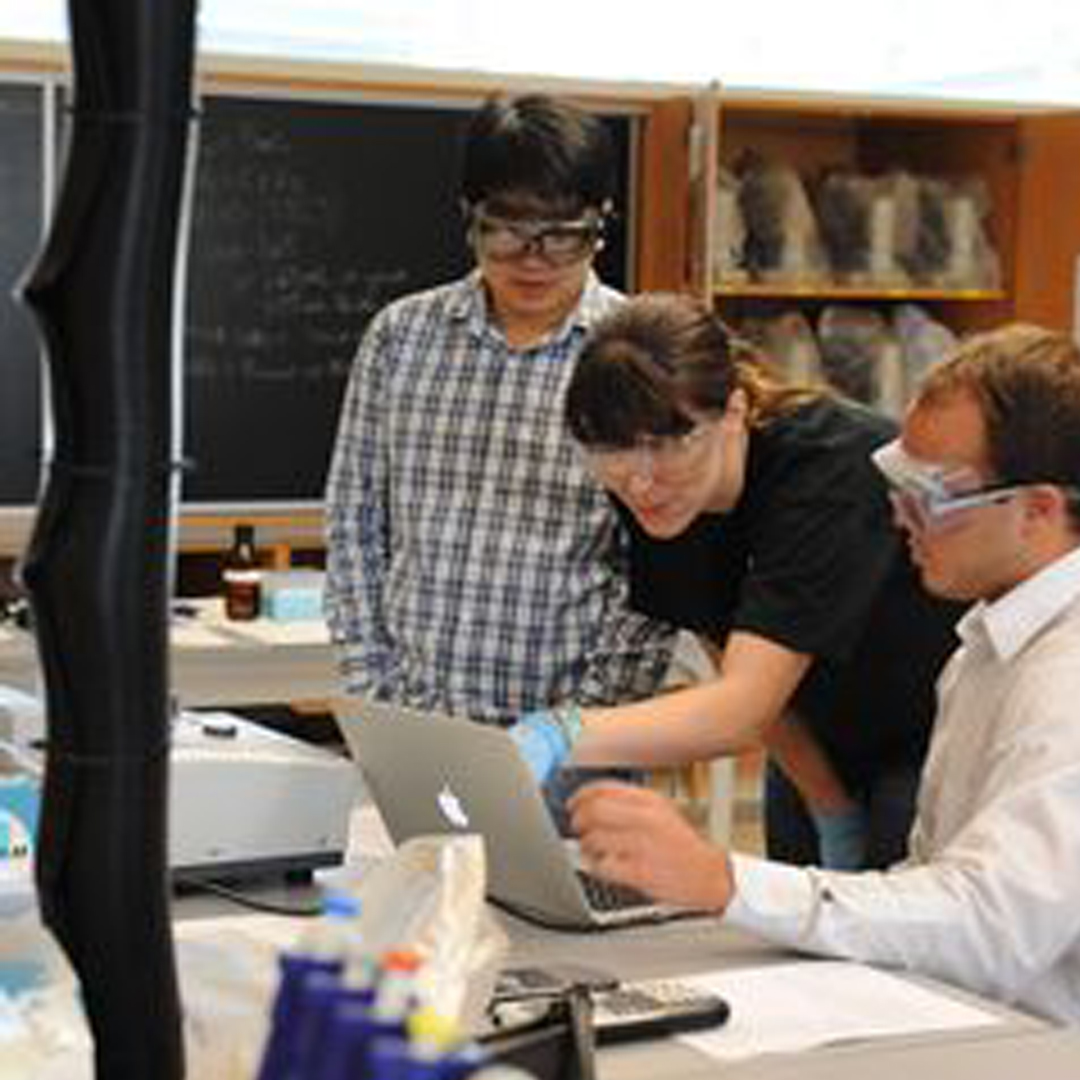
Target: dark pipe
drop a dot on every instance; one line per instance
(98, 563)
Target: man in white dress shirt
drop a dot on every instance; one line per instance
(985, 482)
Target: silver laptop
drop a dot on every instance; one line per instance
(431, 773)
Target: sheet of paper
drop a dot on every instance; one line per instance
(269, 632)
(808, 1003)
(272, 932)
(194, 635)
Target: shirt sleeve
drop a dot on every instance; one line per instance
(821, 545)
(356, 523)
(993, 910)
(632, 651)
(772, 899)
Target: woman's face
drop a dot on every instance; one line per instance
(667, 482)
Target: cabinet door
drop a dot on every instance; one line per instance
(1048, 221)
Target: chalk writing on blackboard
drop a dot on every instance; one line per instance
(308, 218)
(20, 233)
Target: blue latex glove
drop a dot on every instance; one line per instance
(842, 838)
(542, 742)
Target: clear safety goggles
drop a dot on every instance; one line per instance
(932, 497)
(559, 243)
(652, 457)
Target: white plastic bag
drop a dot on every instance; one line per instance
(427, 896)
(430, 897)
(43, 1031)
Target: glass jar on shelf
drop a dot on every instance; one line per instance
(241, 576)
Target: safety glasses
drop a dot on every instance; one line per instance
(559, 243)
(652, 457)
(932, 497)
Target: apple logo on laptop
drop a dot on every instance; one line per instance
(450, 807)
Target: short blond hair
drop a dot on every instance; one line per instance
(1026, 381)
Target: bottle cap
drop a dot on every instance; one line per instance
(404, 960)
(338, 904)
(432, 1030)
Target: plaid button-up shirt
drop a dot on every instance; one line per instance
(474, 565)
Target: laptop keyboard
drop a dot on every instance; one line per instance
(609, 896)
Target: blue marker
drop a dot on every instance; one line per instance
(318, 957)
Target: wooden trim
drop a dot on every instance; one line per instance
(323, 76)
(229, 520)
(880, 106)
(829, 292)
(1047, 245)
(292, 76)
(663, 197)
(33, 57)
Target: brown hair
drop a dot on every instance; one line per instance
(658, 363)
(1026, 380)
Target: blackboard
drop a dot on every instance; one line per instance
(307, 218)
(20, 234)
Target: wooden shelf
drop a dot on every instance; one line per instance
(854, 292)
(1023, 156)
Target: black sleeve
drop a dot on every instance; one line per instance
(822, 544)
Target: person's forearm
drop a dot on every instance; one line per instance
(721, 716)
(805, 764)
(671, 729)
(840, 821)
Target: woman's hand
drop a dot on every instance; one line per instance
(545, 738)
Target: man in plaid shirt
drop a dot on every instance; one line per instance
(473, 564)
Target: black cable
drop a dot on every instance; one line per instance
(216, 888)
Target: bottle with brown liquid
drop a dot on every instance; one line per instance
(240, 576)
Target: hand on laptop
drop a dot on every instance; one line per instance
(637, 837)
(544, 739)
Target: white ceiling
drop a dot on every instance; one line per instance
(943, 48)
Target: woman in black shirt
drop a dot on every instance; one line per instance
(758, 520)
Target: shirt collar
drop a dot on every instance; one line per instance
(470, 305)
(592, 304)
(1012, 621)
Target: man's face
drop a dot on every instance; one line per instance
(534, 259)
(972, 553)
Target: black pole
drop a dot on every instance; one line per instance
(98, 563)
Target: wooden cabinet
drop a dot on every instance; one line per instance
(1046, 241)
(1024, 159)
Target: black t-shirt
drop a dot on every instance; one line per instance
(810, 559)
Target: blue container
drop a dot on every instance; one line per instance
(286, 1021)
(389, 1058)
(345, 1052)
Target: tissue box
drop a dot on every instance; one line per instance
(293, 594)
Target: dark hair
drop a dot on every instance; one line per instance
(660, 362)
(1026, 381)
(538, 146)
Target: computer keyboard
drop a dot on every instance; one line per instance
(608, 896)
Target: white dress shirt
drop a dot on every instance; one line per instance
(989, 897)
